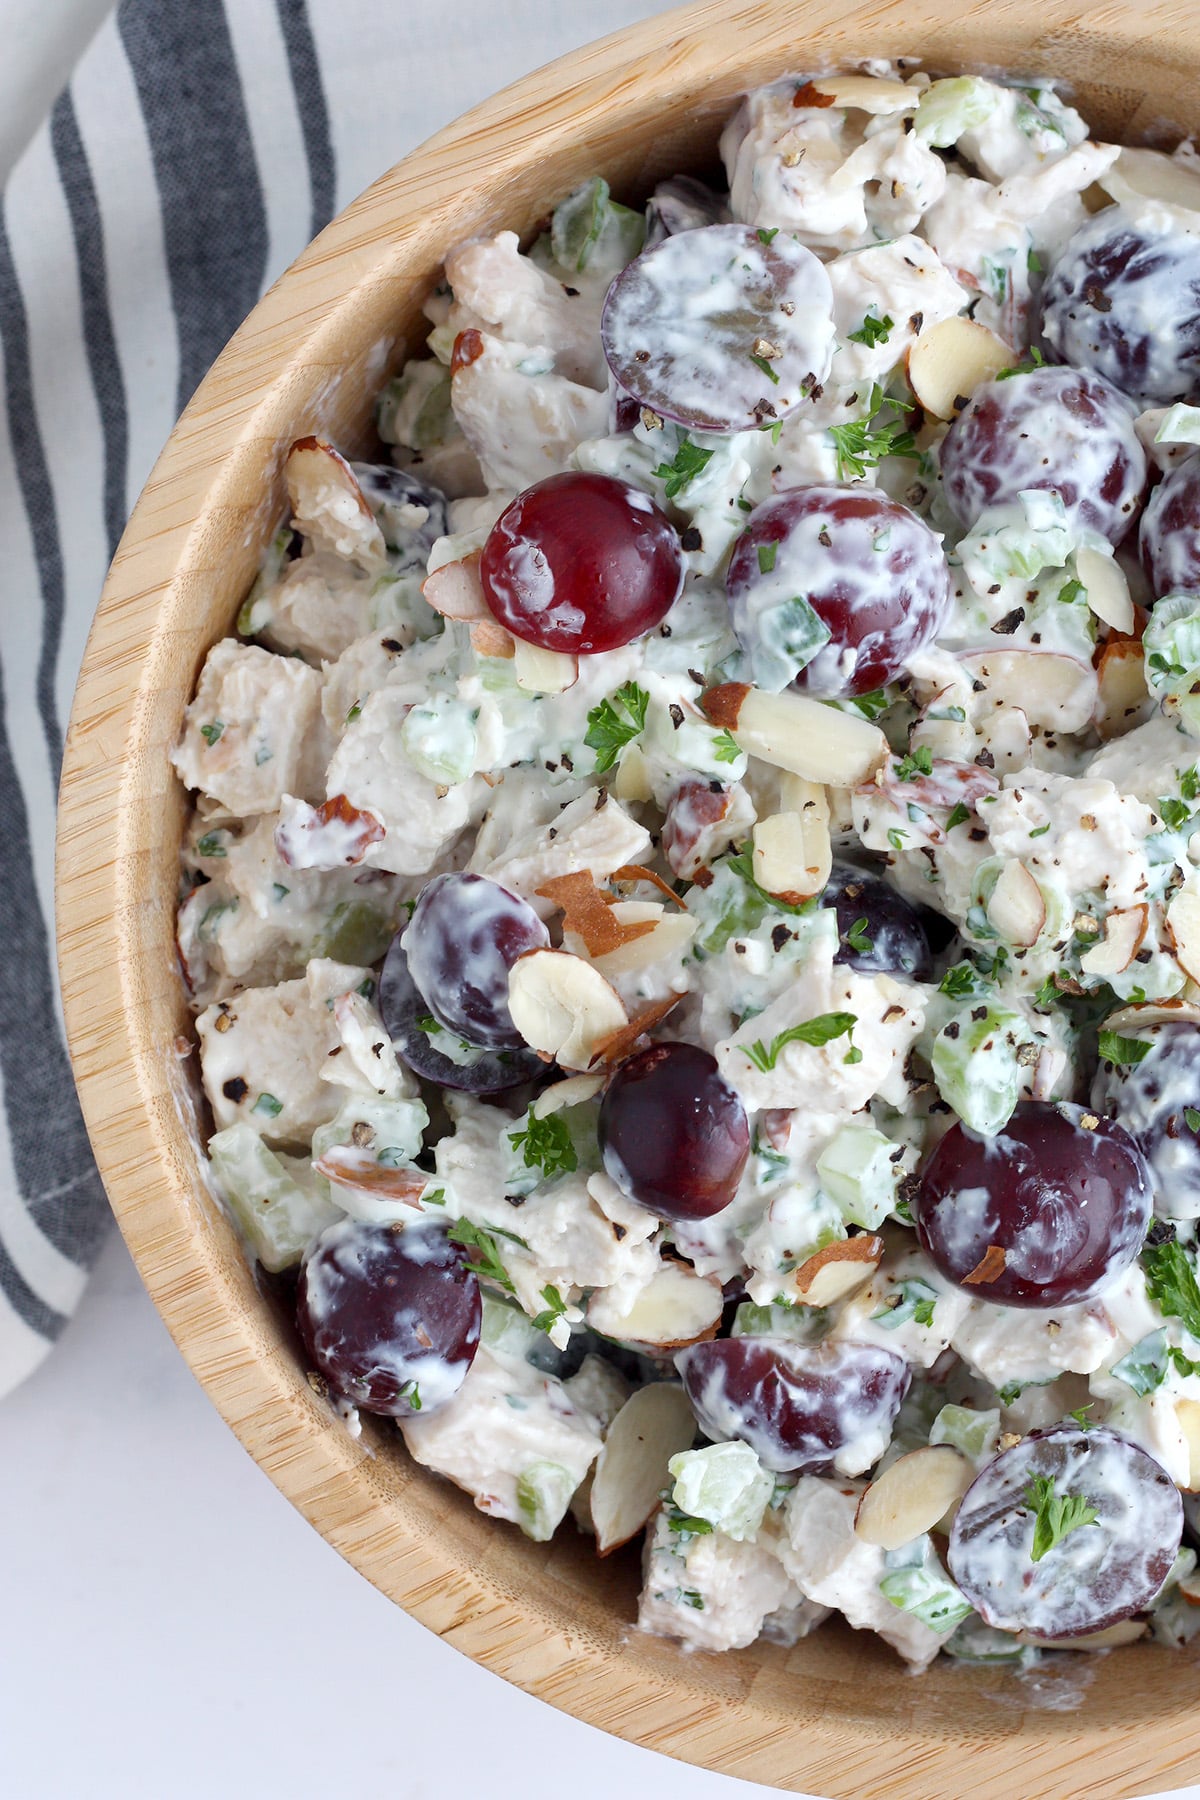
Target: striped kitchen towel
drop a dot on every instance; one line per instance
(198, 147)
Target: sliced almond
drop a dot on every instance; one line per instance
(1123, 934)
(620, 1042)
(491, 639)
(1189, 1587)
(334, 835)
(1153, 1012)
(562, 1006)
(1149, 175)
(655, 1424)
(540, 671)
(329, 506)
(576, 1090)
(1055, 691)
(347, 1166)
(793, 732)
(589, 916)
(793, 855)
(1125, 1631)
(456, 591)
(988, 1268)
(867, 93)
(1124, 699)
(951, 359)
(677, 1307)
(1183, 929)
(1016, 908)
(631, 781)
(629, 873)
(912, 1495)
(1107, 589)
(670, 934)
(837, 1270)
(1187, 1412)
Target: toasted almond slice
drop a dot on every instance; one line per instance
(632, 778)
(911, 1495)
(676, 1307)
(838, 1269)
(1183, 929)
(793, 732)
(1053, 690)
(793, 855)
(576, 1090)
(670, 933)
(541, 671)
(329, 506)
(562, 1006)
(1149, 175)
(1107, 589)
(1125, 1631)
(1189, 1587)
(655, 1424)
(620, 1042)
(990, 1265)
(491, 639)
(1123, 934)
(1016, 909)
(334, 835)
(456, 591)
(588, 915)
(1187, 1412)
(1124, 699)
(348, 1167)
(1153, 1012)
(629, 873)
(951, 359)
(867, 93)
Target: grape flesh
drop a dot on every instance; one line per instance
(1169, 541)
(868, 568)
(798, 1406)
(891, 938)
(389, 1317)
(1096, 1574)
(1123, 299)
(580, 563)
(1059, 429)
(465, 934)
(1062, 1192)
(1152, 1100)
(414, 1029)
(673, 1133)
(718, 330)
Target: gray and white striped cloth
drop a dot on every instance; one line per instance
(198, 147)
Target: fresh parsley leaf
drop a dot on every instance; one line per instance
(608, 732)
(1122, 1052)
(556, 1306)
(690, 1597)
(853, 1054)
(858, 940)
(1191, 1118)
(268, 1106)
(487, 1261)
(1055, 1515)
(1174, 813)
(896, 838)
(1080, 1416)
(762, 363)
(815, 1032)
(1040, 831)
(354, 713)
(1171, 1283)
(766, 558)
(917, 762)
(212, 844)
(684, 1526)
(873, 331)
(859, 448)
(1035, 360)
(546, 1145)
(768, 234)
(1189, 784)
(923, 1312)
(960, 982)
(871, 705)
(911, 1301)
(959, 816)
(1012, 1390)
(689, 461)
(725, 748)
(1070, 591)
(279, 891)
(412, 1393)
(210, 733)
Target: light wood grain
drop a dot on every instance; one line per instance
(836, 1715)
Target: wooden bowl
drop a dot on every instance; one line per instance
(836, 1715)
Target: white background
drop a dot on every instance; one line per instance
(170, 1627)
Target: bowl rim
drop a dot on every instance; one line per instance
(101, 863)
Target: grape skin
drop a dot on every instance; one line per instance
(1169, 541)
(403, 1006)
(673, 1134)
(898, 943)
(465, 934)
(1151, 1100)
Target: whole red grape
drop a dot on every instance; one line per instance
(673, 1133)
(1169, 540)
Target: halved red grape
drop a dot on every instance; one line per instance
(465, 934)
(413, 1028)
(390, 1316)
(1123, 298)
(722, 328)
(673, 1133)
(881, 932)
(835, 588)
(1044, 1214)
(681, 203)
(581, 563)
(1158, 1102)
(1169, 540)
(1096, 1573)
(798, 1406)
(1059, 429)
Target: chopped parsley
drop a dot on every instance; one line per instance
(1040, 831)
(689, 461)
(1035, 360)
(212, 844)
(1171, 1283)
(896, 838)
(815, 1032)
(1080, 1416)
(690, 1597)
(683, 1526)
(608, 731)
(268, 1106)
(912, 1301)
(210, 733)
(858, 940)
(959, 816)
(871, 705)
(1191, 1118)
(873, 331)
(1122, 1052)
(488, 1261)
(1070, 591)
(546, 1145)
(725, 747)
(1055, 1515)
(767, 234)
(766, 558)
(556, 1306)
(860, 448)
(1174, 813)
(762, 363)
(412, 1393)
(917, 762)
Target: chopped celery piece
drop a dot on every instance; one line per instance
(975, 1066)
(440, 740)
(392, 1130)
(590, 231)
(803, 1323)
(787, 634)
(544, 1493)
(414, 408)
(1171, 642)
(1180, 425)
(354, 933)
(1144, 1368)
(278, 1203)
(949, 108)
(725, 1484)
(973, 1434)
(976, 1642)
(857, 1171)
(920, 1587)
